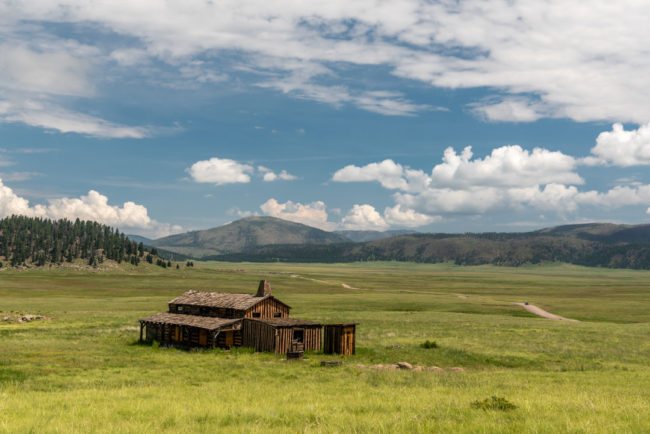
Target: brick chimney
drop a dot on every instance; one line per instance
(264, 289)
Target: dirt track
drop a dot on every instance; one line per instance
(541, 312)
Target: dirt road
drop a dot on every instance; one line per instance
(541, 312)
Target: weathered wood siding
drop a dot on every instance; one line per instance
(339, 339)
(268, 309)
(265, 337)
(185, 336)
(258, 335)
(284, 339)
(154, 332)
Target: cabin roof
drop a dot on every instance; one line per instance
(342, 324)
(220, 299)
(204, 322)
(285, 322)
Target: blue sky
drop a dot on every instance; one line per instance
(165, 117)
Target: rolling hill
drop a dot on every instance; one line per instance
(245, 234)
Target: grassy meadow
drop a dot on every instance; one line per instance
(82, 370)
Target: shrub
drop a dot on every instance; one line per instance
(429, 344)
(494, 403)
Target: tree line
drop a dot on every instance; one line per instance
(38, 241)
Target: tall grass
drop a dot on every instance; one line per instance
(83, 371)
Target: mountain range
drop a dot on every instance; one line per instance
(272, 239)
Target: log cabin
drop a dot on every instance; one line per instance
(214, 319)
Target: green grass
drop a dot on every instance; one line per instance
(83, 370)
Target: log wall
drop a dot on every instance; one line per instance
(185, 336)
(237, 339)
(258, 335)
(339, 339)
(279, 340)
(268, 309)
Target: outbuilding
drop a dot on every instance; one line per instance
(340, 339)
(281, 335)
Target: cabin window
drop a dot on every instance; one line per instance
(256, 314)
(298, 335)
(179, 308)
(277, 315)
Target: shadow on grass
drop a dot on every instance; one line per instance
(11, 376)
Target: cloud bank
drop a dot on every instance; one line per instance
(509, 179)
(93, 206)
(517, 50)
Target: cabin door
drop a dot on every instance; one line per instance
(178, 334)
(298, 340)
(203, 337)
(229, 338)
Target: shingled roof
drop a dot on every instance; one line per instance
(204, 322)
(220, 299)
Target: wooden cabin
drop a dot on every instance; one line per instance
(260, 321)
(281, 335)
(191, 330)
(340, 339)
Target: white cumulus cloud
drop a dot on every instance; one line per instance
(620, 147)
(364, 217)
(388, 173)
(404, 217)
(220, 171)
(269, 176)
(505, 166)
(311, 214)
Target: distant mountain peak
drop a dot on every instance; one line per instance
(246, 233)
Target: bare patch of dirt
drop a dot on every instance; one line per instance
(405, 366)
(21, 318)
(544, 314)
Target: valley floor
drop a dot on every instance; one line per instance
(80, 368)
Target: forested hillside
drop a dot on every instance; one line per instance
(27, 240)
(588, 245)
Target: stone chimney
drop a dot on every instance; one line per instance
(264, 289)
